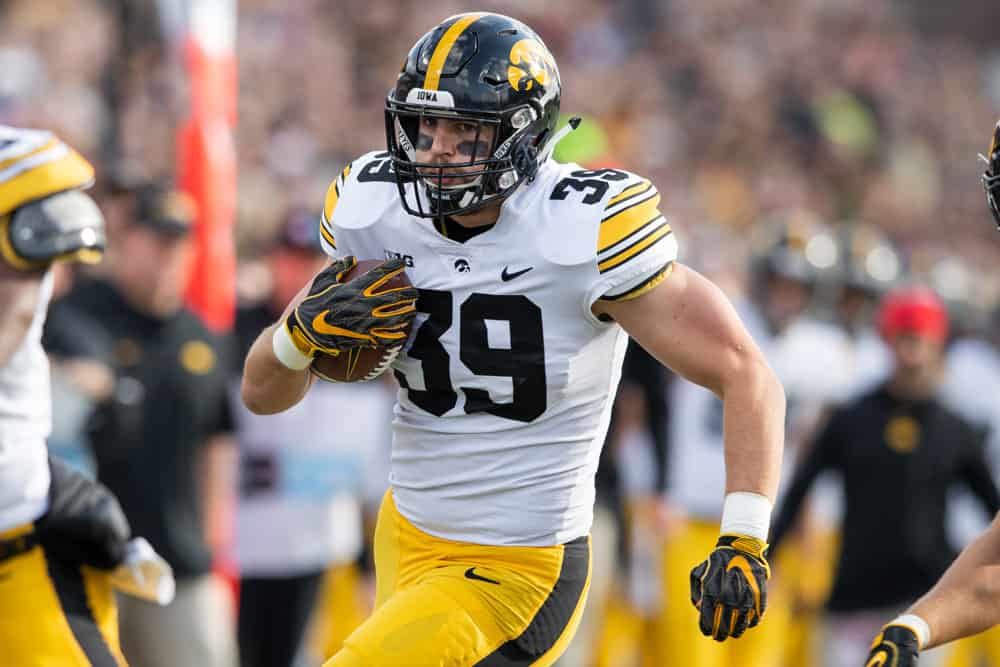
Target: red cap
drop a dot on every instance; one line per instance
(913, 310)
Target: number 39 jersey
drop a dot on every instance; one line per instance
(507, 382)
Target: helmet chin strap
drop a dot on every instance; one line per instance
(450, 194)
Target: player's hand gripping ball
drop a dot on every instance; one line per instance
(355, 319)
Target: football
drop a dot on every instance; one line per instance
(365, 363)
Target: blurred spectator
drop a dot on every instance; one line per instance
(161, 438)
(868, 265)
(897, 450)
(302, 472)
(733, 108)
(82, 374)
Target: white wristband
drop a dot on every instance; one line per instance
(286, 352)
(917, 624)
(746, 514)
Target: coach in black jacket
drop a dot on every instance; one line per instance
(898, 450)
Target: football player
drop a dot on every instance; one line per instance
(966, 600)
(530, 276)
(61, 534)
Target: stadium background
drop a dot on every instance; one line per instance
(850, 110)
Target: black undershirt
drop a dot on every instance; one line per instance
(451, 229)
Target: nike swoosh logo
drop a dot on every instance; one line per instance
(471, 574)
(321, 326)
(740, 563)
(504, 276)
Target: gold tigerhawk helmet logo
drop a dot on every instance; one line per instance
(530, 63)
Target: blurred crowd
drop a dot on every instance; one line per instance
(854, 110)
(811, 154)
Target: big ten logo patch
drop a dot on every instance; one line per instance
(530, 64)
(407, 259)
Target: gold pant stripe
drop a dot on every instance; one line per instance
(53, 613)
(554, 616)
(80, 595)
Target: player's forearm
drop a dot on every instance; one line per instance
(754, 423)
(269, 386)
(967, 598)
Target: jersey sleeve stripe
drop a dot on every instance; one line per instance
(624, 223)
(635, 249)
(629, 192)
(41, 174)
(630, 203)
(33, 150)
(333, 193)
(644, 286)
(327, 235)
(640, 231)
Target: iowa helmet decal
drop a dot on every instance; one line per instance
(492, 73)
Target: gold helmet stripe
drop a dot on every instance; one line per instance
(433, 77)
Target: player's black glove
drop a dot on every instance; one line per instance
(991, 177)
(894, 646)
(361, 313)
(729, 588)
(85, 524)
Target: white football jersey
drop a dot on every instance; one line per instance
(508, 379)
(25, 422)
(33, 164)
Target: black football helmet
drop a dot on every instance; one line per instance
(793, 244)
(868, 260)
(991, 177)
(487, 70)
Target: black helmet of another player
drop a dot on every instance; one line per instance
(791, 252)
(868, 265)
(966, 289)
(792, 244)
(991, 177)
(487, 70)
(868, 260)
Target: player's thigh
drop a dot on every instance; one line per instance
(387, 549)
(53, 613)
(510, 613)
(420, 625)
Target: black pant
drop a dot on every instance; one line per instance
(273, 617)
